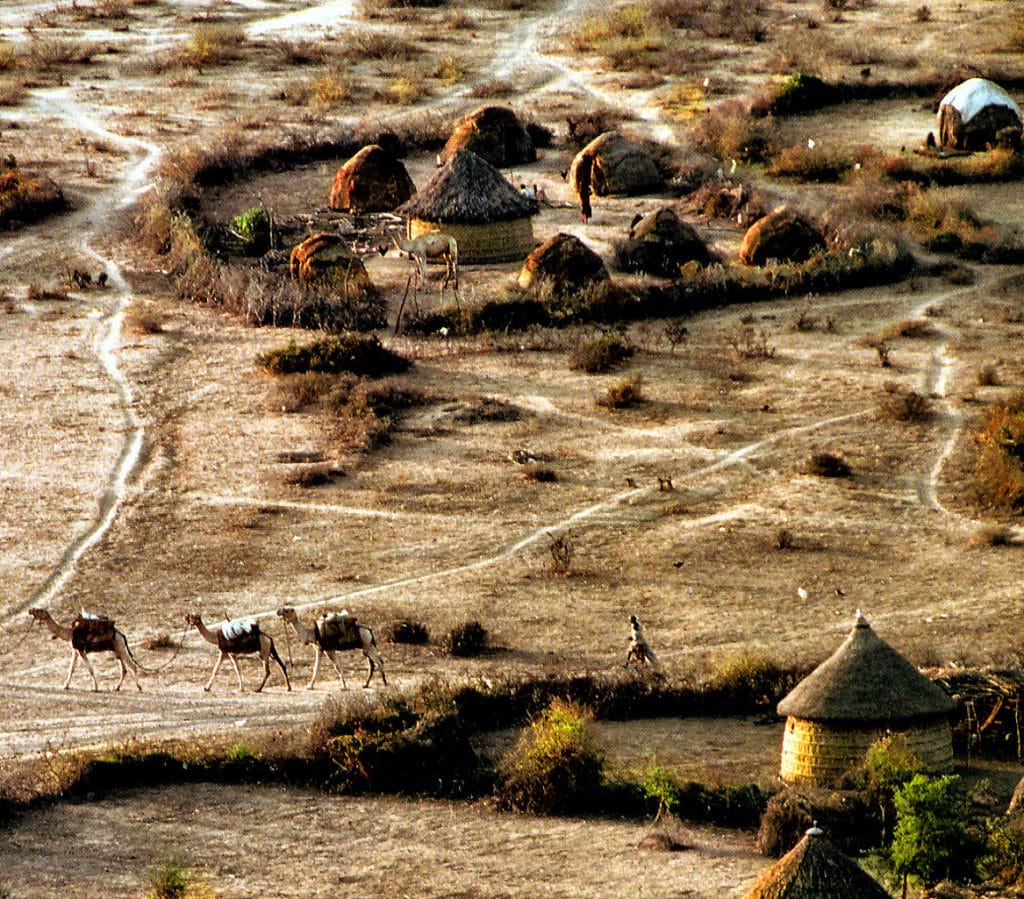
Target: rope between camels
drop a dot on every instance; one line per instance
(177, 650)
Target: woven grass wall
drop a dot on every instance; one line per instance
(505, 241)
(818, 755)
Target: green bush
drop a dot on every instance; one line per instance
(931, 840)
(171, 880)
(253, 228)
(333, 355)
(465, 640)
(600, 355)
(556, 768)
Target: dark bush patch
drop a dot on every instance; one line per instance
(465, 640)
(849, 817)
(539, 474)
(829, 465)
(332, 355)
(410, 631)
(623, 394)
(600, 355)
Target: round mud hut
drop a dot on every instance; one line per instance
(470, 200)
(864, 690)
(371, 181)
(563, 264)
(612, 164)
(494, 133)
(781, 235)
(324, 261)
(660, 244)
(814, 868)
(971, 115)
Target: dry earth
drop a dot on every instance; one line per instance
(140, 471)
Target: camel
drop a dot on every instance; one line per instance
(239, 637)
(639, 650)
(87, 634)
(432, 246)
(334, 633)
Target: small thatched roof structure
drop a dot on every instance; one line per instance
(371, 181)
(470, 200)
(614, 164)
(324, 261)
(494, 133)
(782, 235)
(815, 869)
(563, 264)
(865, 680)
(972, 114)
(660, 243)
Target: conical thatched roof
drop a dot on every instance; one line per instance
(613, 164)
(815, 869)
(468, 190)
(781, 235)
(564, 264)
(865, 680)
(494, 133)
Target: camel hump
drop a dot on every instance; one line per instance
(91, 631)
(339, 624)
(240, 627)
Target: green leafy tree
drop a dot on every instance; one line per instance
(931, 840)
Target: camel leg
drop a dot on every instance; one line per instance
(238, 671)
(316, 668)
(372, 656)
(124, 656)
(124, 671)
(266, 670)
(216, 668)
(284, 671)
(337, 667)
(71, 669)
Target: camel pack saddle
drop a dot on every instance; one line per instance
(241, 635)
(337, 627)
(92, 632)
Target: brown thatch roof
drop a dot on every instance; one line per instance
(564, 264)
(371, 181)
(494, 133)
(468, 190)
(865, 680)
(815, 869)
(660, 243)
(614, 164)
(324, 261)
(781, 235)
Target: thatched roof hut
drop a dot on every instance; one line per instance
(494, 133)
(862, 691)
(371, 181)
(782, 235)
(564, 265)
(661, 243)
(815, 869)
(324, 261)
(971, 115)
(469, 199)
(613, 164)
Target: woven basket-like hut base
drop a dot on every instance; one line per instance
(505, 241)
(818, 755)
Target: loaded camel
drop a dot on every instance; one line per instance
(89, 633)
(334, 633)
(239, 637)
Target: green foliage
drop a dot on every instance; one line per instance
(556, 767)
(801, 92)
(1005, 859)
(171, 880)
(253, 227)
(931, 840)
(465, 640)
(600, 355)
(890, 762)
(333, 355)
(659, 786)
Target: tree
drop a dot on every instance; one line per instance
(932, 841)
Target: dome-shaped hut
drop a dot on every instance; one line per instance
(782, 235)
(864, 690)
(494, 133)
(814, 868)
(612, 164)
(564, 264)
(325, 261)
(470, 200)
(371, 181)
(660, 243)
(973, 113)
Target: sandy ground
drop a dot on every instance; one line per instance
(141, 473)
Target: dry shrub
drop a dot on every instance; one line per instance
(911, 328)
(213, 44)
(51, 53)
(906, 406)
(988, 375)
(999, 460)
(728, 131)
(556, 768)
(405, 91)
(409, 631)
(466, 640)
(12, 93)
(145, 321)
(806, 164)
(562, 549)
(993, 535)
(334, 355)
(747, 342)
(539, 474)
(296, 392)
(583, 127)
(623, 394)
(380, 48)
(828, 465)
(493, 89)
(27, 197)
(600, 355)
(754, 675)
(309, 476)
(299, 52)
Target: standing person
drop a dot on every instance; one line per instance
(583, 186)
